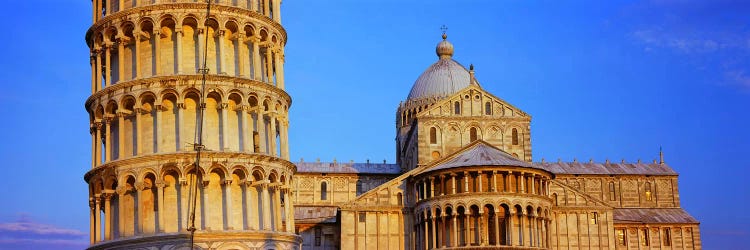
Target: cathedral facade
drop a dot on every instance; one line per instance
(464, 176)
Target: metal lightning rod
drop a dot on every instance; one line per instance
(198, 141)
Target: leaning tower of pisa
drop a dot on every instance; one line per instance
(145, 96)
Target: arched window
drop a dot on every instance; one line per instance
(360, 189)
(323, 191)
(648, 191)
(612, 191)
(554, 196)
(433, 135)
(514, 134)
(488, 108)
(400, 199)
(457, 108)
(472, 134)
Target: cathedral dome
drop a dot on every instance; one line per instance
(443, 78)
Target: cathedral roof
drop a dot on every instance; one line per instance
(443, 78)
(347, 168)
(479, 153)
(606, 168)
(652, 215)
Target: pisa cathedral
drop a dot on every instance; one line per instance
(464, 176)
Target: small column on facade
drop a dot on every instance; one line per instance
(434, 220)
(138, 208)
(157, 51)
(466, 182)
(98, 51)
(201, 45)
(426, 232)
(107, 139)
(92, 130)
(454, 234)
(279, 68)
(522, 183)
(93, 204)
(497, 226)
(242, 109)
(288, 211)
(274, 133)
(507, 181)
(183, 212)
(256, 58)
(98, 139)
(240, 39)
(532, 182)
(453, 182)
(284, 138)
(277, 208)
(160, 209)
(261, 129)
(137, 62)
(432, 187)
(205, 204)
(182, 135)
(269, 65)
(108, 64)
(224, 126)
(479, 181)
(178, 51)
(277, 11)
(122, 191)
(222, 49)
(107, 216)
(227, 185)
(121, 41)
(467, 227)
(158, 108)
(494, 182)
(511, 229)
(248, 204)
(266, 207)
(121, 134)
(138, 131)
(97, 218)
(92, 62)
(266, 8)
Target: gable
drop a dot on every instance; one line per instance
(564, 195)
(473, 101)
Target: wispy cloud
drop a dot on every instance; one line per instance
(27, 233)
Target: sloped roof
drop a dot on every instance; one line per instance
(606, 168)
(652, 215)
(347, 168)
(479, 153)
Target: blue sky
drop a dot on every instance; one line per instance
(602, 80)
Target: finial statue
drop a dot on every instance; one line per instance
(444, 29)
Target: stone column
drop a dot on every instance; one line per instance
(507, 181)
(261, 129)
(432, 187)
(98, 139)
(222, 50)
(121, 135)
(240, 39)
(266, 207)
(497, 226)
(256, 58)
(122, 5)
(466, 182)
(138, 126)
(277, 208)
(121, 58)
(532, 181)
(269, 65)
(178, 49)
(266, 8)
(160, 203)
(205, 202)
(453, 181)
(137, 63)
(522, 183)
(98, 69)
(138, 208)
(108, 64)
(92, 221)
(157, 130)
(511, 228)
(92, 62)
(455, 231)
(248, 206)
(284, 124)
(426, 233)
(181, 133)
(242, 109)
(97, 218)
(107, 139)
(272, 137)
(92, 130)
(107, 216)
(279, 68)
(227, 185)
(157, 51)
(201, 46)
(224, 139)
(288, 211)
(121, 193)
(467, 227)
(434, 232)
(494, 182)
(183, 211)
(277, 11)
(523, 236)
(93, 14)
(479, 182)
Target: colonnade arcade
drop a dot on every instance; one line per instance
(104, 8)
(481, 181)
(153, 202)
(130, 126)
(455, 225)
(167, 45)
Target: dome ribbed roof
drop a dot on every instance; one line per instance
(443, 78)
